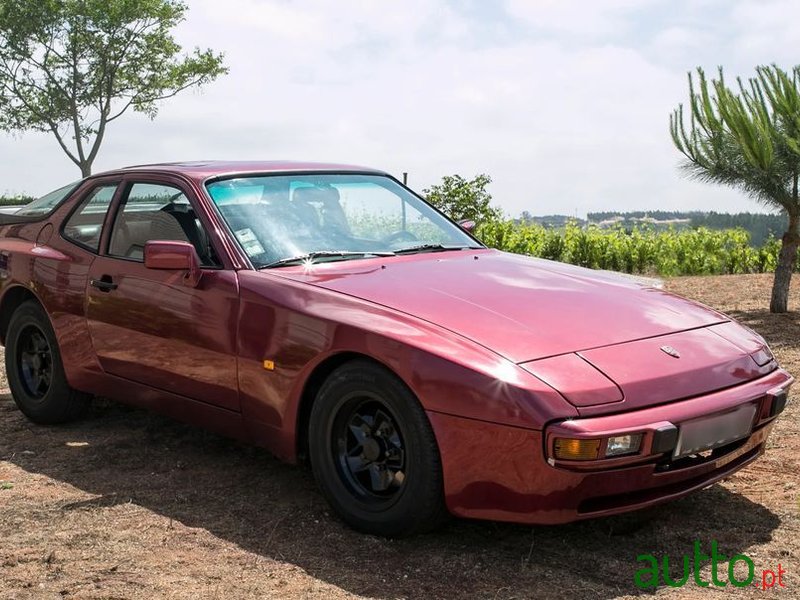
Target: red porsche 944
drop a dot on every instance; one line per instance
(328, 312)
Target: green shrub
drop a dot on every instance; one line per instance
(15, 200)
(643, 250)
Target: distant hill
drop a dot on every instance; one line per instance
(759, 225)
(555, 221)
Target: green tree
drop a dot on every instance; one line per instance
(71, 67)
(748, 137)
(461, 199)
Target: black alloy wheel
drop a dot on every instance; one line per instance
(35, 371)
(369, 446)
(34, 362)
(374, 454)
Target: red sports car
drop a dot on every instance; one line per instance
(327, 311)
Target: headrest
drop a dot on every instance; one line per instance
(324, 195)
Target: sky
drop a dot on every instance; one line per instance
(564, 103)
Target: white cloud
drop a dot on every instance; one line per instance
(681, 46)
(769, 31)
(565, 104)
(581, 17)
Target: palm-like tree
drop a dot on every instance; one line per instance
(748, 137)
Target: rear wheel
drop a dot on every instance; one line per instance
(34, 369)
(374, 454)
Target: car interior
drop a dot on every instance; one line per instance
(137, 223)
(307, 216)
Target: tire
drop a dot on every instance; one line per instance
(373, 453)
(35, 371)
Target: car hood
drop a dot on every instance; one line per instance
(520, 307)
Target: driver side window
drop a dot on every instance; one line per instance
(158, 212)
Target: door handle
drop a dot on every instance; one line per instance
(104, 284)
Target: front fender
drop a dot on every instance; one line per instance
(298, 327)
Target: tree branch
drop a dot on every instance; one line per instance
(52, 126)
(75, 123)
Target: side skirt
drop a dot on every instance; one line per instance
(219, 420)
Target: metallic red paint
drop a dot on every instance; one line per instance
(581, 383)
(498, 472)
(483, 339)
(155, 330)
(520, 307)
(174, 256)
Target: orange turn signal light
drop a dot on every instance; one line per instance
(575, 449)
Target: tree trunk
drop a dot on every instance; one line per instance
(86, 168)
(786, 262)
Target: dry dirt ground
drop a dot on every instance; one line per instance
(125, 504)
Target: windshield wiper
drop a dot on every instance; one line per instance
(433, 248)
(311, 256)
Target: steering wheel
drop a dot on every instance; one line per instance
(401, 235)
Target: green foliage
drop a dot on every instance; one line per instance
(71, 67)
(372, 226)
(748, 137)
(759, 225)
(461, 199)
(15, 200)
(667, 253)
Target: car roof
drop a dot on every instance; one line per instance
(205, 169)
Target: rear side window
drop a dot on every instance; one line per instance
(85, 225)
(48, 202)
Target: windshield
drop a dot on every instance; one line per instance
(43, 205)
(278, 219)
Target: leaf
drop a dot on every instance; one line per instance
(70, 68)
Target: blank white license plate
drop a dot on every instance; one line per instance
(707, 433)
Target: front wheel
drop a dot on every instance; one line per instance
(34, 369)
(373, 453)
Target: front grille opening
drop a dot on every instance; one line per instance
(700, 458)
(616, 501)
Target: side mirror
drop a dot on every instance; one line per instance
(174, 256)
(467, 225)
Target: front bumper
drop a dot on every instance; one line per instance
(501, 473)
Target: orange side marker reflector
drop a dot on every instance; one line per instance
(269, 365)
(576, 449)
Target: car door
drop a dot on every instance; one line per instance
(148, 325)
(60, 277)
